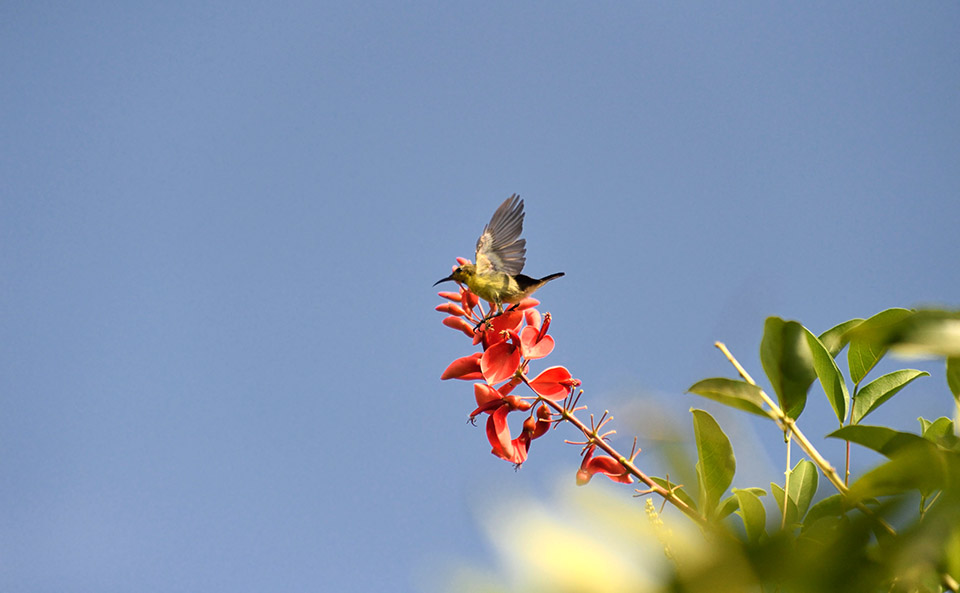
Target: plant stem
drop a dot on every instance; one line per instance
(789, 424)
(591, 435)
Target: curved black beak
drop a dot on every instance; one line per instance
(448, 278)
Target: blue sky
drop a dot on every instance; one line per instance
(219, 224)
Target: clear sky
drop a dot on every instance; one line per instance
(220, 223)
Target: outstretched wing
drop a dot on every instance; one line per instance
(500, 248)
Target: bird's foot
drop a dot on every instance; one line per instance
(490, 317)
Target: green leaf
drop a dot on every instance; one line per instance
(716, 464)
(803, 485)
(868, 341)
(788, 363)
(791, 510)
(881, 439)
(918, 467)
(727, 506)
(835, 338)
(953, 376)
(752, 512)
(732, 503)
(680, 492)
(736, 394)
(940, 432)
(880, 390)
(928, 332)
(936, 429)
(756, 490)
(952, 552)
(830, 378)
(831, 506)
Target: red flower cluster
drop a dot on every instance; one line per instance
(509, 342)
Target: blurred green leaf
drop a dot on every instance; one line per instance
(835, 338)
(953, 376)
(868, 341)
(736, 394)
(830, 378)
(788, 363)
(913, 467)
(803, 485)
(752, 512)
(952, 552)
(680, 492)
(880, 390)
(879, 438)
(831, 506)
(927, 332)
(716, 464)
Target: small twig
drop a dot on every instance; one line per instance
(594, 439)
(786, 488)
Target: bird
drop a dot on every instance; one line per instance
(501, 253)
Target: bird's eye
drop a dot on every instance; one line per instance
(457, 271)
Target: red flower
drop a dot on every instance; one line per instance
(501, 361)
(605, 465)
(554, 383)
(489, 399)
(466, 368)
(498, 433)
(452, 296)
(498, 405)
(532, 317)
(459, 323)
(534, 339)
(508, 322)
(452, 309)
(508, 341)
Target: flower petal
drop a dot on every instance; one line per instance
(532, 317)
(466, 368)
(486, 395)
(458, 323)
(500, 362)
(527, 303)
(508, 322)
(553, 383)
(451, 308)
(532, 348)
(498, 433)
(603, 464)
(521, 445)
(468, 300)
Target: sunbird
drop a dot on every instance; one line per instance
(501, 254)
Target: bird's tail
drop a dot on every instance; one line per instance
(546, 279)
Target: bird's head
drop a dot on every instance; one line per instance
(459, 275)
